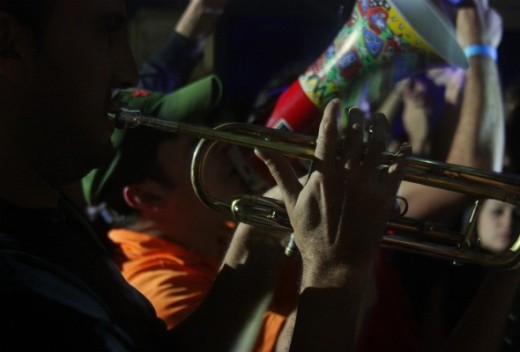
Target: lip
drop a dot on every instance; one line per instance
(505, 235)
(112, 108)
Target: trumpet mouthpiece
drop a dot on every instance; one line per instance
(125, 118)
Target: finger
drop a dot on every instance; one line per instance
(393, 175)
(283, 174)
(353, 143)
(328, 141)
(378, 139)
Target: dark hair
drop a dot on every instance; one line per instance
(33, 14)
(137, 163)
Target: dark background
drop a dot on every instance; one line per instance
(257, 39)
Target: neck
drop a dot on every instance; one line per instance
(203, 243)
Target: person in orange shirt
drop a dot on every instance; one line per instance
(167, 243)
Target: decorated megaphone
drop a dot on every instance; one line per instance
(395, 38)
(408, 35)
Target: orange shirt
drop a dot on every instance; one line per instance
(285, 299)
(173, 278)
(176, 281)
(272, 325)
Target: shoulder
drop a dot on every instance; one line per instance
(44, 306)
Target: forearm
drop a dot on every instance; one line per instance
(337, 298)
(172, 64)
(478, 142)
(199, 19)
(230, 316)
(479, 138)
(168, 69)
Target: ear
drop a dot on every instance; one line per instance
(140, 198)
(15, 44)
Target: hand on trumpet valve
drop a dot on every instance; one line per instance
(339, 215)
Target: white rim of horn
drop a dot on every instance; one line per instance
(422, 15)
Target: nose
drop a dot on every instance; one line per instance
(124, 68)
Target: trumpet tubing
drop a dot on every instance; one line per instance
(403, 233)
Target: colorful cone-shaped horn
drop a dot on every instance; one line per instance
(380, 33)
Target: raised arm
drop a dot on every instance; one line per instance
(199, 19)
(174, 61)
(479, 138)
(479, 143)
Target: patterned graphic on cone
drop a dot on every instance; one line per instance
(375, 36)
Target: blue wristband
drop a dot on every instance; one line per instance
(487, 50)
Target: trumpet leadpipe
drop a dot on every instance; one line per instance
(279, 141)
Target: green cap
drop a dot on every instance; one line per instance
(192, 103)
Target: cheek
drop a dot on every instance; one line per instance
(504, 221)
(90, 87)
(486, 226)
(82, 89)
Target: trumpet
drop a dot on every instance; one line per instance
(420, 237)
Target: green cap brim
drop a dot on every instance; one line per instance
(192, 103)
